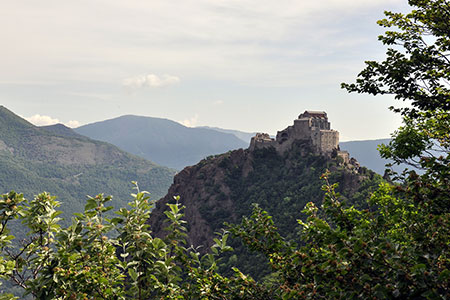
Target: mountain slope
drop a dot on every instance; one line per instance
(222, 189)
(244, 136)
(34, 159)
(60, 129)
(367, 155)
(163, 141)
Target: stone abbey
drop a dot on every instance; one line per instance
(312, 126)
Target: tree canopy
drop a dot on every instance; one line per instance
(397, 248)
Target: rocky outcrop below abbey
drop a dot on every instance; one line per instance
(281, 175)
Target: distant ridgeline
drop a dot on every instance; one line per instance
(281, 175)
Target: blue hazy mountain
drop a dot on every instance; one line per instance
(162, 141)
(244, 136)
(366, 153)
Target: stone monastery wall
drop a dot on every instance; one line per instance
(312, 126)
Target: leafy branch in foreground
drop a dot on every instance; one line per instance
(98, 257)
(397, 249)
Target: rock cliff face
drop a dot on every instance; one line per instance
(222, 188)
(200, 186)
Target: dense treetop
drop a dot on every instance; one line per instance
(396, 248)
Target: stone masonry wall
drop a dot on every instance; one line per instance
(311, 126)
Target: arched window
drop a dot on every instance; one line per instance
(284, 136)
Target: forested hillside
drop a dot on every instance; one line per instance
(356, 237)
(58, 160)
(223, 189)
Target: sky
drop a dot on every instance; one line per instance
(250, 65)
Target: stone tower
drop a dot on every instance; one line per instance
(312, 126)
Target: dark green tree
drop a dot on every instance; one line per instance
(399, 248)
(416, 70)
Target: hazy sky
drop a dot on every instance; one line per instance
(251, 65)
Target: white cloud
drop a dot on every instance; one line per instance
(192, 122)
(73, 124)
(39, 120)
(150, 80)
(218, 102)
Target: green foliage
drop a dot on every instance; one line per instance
(397, 247)
(416, 67)
(73, 182)
(97, 257)
(34, 159)
(281, 185)
(10, 209)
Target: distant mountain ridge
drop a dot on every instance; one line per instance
(367, 154)
(61, 129)
(163, 141)
(244, 136)
(171, 144)
(64, 163)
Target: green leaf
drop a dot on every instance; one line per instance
(444, 275)
(90, 204)
(133, 274)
